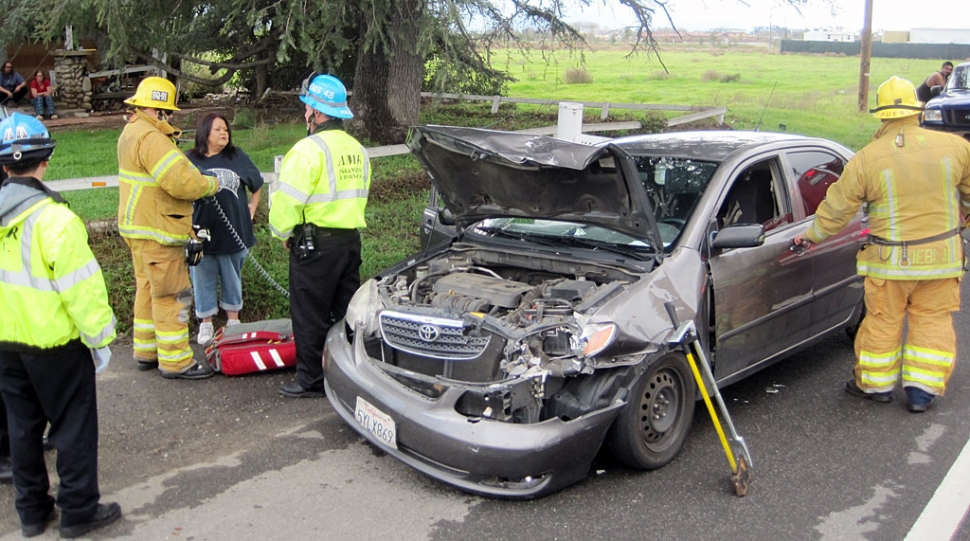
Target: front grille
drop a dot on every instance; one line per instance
(431, 337)
(957, 117)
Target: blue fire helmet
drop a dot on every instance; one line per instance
(23, 139)
(326, 94)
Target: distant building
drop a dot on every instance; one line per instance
(939, 35)
(828, 35)
(895, 36)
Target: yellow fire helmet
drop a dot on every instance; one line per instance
(154, 93)
(896, 98)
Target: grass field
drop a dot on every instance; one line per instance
(811, 95)
(808, 94)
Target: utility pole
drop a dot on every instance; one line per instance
(865, 55)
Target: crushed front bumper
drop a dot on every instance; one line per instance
(481, 456)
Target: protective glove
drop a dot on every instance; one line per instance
(101, 356)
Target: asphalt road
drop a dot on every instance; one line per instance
(228, 458)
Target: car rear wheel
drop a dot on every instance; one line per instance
(651, 429)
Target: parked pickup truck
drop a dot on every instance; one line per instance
(950, 110)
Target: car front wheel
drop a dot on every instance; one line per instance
(651, 429)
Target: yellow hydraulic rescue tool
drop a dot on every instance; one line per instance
(685, 337)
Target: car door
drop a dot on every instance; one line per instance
(761, 295)
(837, 290)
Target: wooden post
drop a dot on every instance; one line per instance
(865, 56)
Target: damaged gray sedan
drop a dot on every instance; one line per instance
(502, 360)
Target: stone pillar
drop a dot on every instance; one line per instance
(73, 87)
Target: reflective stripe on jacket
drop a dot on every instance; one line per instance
(157, 183)
(917, 183)
(325, 179)
(51, 287)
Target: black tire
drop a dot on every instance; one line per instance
(651, 428)
(853, 330)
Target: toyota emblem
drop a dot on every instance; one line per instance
(428, 333)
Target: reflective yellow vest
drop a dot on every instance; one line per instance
(917, 183)
(325, 179)
(51, 287)
(157, 183)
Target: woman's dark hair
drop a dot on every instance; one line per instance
(202, 136)
(41, 72)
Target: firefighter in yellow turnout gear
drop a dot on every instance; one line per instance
(917, 186)
(157, 186)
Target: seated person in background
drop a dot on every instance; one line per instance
(938, 78)
(41, 95)
(13, 87)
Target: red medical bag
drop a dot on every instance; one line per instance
(252, 347)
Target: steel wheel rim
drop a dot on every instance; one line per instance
(660, 407)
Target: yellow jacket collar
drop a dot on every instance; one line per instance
(893, 126)
(160, 125)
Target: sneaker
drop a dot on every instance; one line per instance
(39, 117)
(53, 117)
(854, 390)
(919, 400)
(205, 333)
(231, 322)
(107, 513)
(198, 371)
(293, 389)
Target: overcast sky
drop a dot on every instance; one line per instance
(848, 14)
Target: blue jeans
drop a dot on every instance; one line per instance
(43, 105)
(225, 269)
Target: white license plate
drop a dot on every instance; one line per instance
(376, 422)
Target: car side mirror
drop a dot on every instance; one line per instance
(739, 236)
(446, 217)
(936, 90)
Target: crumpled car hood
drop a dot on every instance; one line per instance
(487, 174)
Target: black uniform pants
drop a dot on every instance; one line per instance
(4, 433)
(58, 389)
(321, 286)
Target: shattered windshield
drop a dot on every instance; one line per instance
(674, 187)
(556, 233)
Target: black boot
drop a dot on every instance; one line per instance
(294, 389)
(107, 513)
(199, 371)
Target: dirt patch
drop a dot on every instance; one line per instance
(94, 121)
(185, 118)
(399, 187)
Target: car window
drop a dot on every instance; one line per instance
(674, 187)
(815, 171)
(756, 197)
(960, 78)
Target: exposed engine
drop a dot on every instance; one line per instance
(460, 319)
(509, 329)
